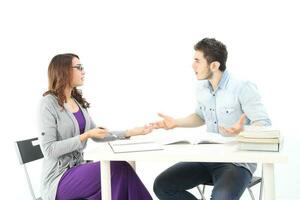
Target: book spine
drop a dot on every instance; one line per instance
(259, 147)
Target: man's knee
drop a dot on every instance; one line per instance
(162, 186)
(157, 185)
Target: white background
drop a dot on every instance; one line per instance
(138, 56)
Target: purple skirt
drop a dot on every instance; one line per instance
(83, 182)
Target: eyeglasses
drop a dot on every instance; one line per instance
(79, 67)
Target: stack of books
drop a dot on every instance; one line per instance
(255, 138)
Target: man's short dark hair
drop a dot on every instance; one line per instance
(213, 50)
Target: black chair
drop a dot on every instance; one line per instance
(28, 152)
(255, 180)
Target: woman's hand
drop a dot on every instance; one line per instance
(99, 133)
(139, 131)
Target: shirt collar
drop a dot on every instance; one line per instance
(224, 80)
(222, 83)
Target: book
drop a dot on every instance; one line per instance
(260, 146)
(125, 146)
(154, 143)
(260, 132)
(258, 140)
(196, 138)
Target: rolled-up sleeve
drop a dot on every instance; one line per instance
(199, 111)
(112, 135)
(252, 105)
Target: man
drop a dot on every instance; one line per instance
(224, 104)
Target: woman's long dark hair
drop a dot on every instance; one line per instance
(60, 76)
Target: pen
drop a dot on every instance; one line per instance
(113, 135)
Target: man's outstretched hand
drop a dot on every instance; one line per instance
(167, 122)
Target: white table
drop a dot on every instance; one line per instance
(189, 153)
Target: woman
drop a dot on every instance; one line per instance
(65, 128)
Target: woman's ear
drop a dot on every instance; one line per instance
(214, 66)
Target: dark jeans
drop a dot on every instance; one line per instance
(229, 180)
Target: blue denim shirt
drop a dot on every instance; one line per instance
(225, 105)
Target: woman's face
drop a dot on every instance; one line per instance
(77, 73)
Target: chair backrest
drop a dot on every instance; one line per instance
(27, 152)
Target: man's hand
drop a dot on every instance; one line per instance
(236, 129)
(167, 122)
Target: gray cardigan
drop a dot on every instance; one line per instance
(60, 142)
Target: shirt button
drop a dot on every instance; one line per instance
(215, 122)
(214, 95)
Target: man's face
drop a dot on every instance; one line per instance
(201, 67)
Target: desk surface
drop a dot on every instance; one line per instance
(187, 153)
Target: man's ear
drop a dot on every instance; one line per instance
(214, 66)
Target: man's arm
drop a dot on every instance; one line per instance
(168, 122)
(253, 107)
(192, 120)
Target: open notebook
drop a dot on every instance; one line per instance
(123, 146)
(196, 138)
(154, 142)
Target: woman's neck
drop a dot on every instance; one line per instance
(68, 92)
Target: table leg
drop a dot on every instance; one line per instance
(105, 180)
(268, 181)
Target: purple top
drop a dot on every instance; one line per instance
(80, 119)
